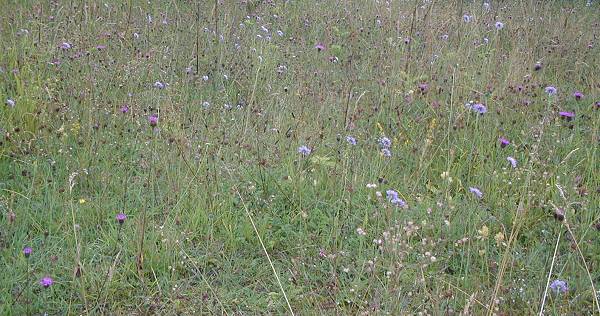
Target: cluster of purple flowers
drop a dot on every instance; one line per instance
(394, 198)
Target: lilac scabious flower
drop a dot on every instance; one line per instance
(304, 151)
(320, 47)
(566, 115)
(559, 286)
(153, 120)
(160, 85)
(499, 25)
(476, 191)
(27, 251)
(477, 107)
(513, 161)
(467, 18)
(550, 90)
(65, 46)
(124, 109)
(578, 95)
(11, 103)
(386, 153)
(351, 140)
(121, 218)
(504, 142)
(46, 282)
(385, 142)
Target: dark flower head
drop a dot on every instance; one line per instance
(597, 104)
(504, 142)
(27, 251)
(578, 95)
(46, 282)
(153, 119)
(537, 66)
(121, 218)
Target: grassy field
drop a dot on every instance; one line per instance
(299, 157)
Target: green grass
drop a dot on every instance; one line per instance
(222, 166)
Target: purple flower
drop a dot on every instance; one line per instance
(566, 115)
(550, 90)
(304, 151)
(160, 85)
(320, 47)
(46, 281)
(385, 142)
(424, 87)
(537, 66)
(124, 109)
(351, 140)
(476, 191)
(101, 47)
(153, 119)
(499, 25)
(504, 142)
(398, 202)
(467, 18)
(444, 37)
(559, 286)
(27, 251)
(121, 218)
(11, 103)
(478, 107)
(578, 95)
(386, 152)
(391, 194)
(597, 104)
(513, 161)
(65, 46)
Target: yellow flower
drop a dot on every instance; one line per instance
(81, 201)
(484, 232)
(499, 238)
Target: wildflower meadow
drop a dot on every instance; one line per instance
(288, 157)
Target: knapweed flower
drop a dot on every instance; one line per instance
(46, 282)
(423, 87)
(121, 218)
(385, 142)
(578, 95)
(351, 140)
(467, 18)
(499, 25)
(504, 142)
(559, 286)
(566, 115)
(550, 90)
(476, 191)
(11, 103)
(386, 153)
(320, 47)
(304, 151)
(27, 251)
(513, 161)
(124, 109)
(153, 120)
(477, 107)
(160, 85)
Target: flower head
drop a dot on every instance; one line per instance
(504, 142)
(46, 282)
(424, 87)
(160, 85)
(27, 251)
(476, 191)
(11, 103)
(566, 115)
(121, 218)
(513, 161)
(385, 142)
(467, 18)
(578, 95)
(499, 25)
(559, 286)
(537, 66)
(304, 151)
(124, 109)
(320, 47)
(351, 140)
(64, 45)
(386, 152)
(153, 120)
(477, 107)
(550, 90)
